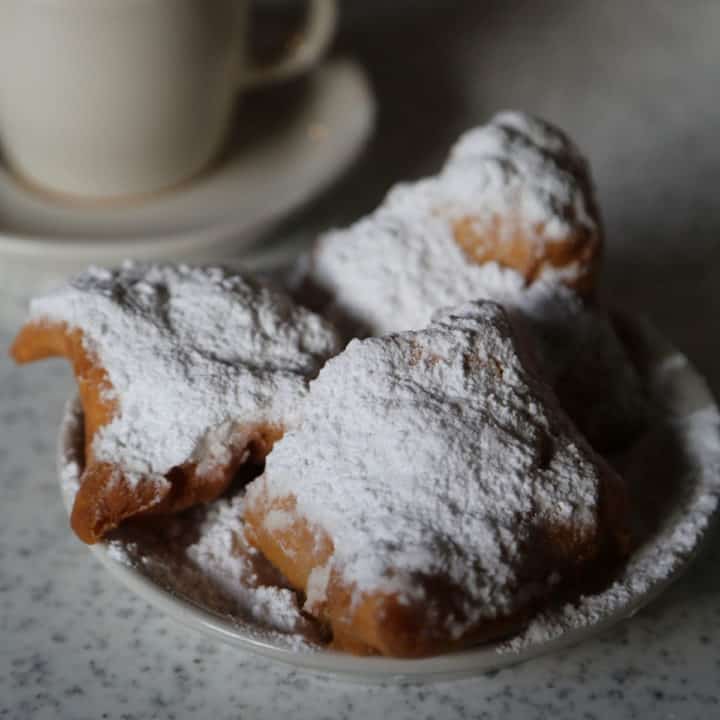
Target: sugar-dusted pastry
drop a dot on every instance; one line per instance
(582, 356)
(511, 218)
(512, 207)
(434, 494)
(183, 374)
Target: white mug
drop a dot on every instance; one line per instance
(108, 98)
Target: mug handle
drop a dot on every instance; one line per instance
(317, 35)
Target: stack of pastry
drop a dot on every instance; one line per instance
(435, 483)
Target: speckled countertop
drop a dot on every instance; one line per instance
(636, 85)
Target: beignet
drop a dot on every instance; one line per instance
(434, 494)
(183, 374)
(511, 218)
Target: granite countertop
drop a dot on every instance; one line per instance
(636, 85)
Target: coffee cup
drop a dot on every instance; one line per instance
(113, 98)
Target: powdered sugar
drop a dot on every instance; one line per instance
(201, 555)
(70, 452)
(674, 475)
(390, 271)
(227, 560)
(438, 453)
(662, 555)
(217, 350)
(681, 456)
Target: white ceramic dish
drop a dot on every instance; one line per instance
(290, 146)
(688, 420)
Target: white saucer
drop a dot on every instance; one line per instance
(688, 422)
(289, 144)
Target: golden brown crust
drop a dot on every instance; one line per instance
(294, 549)
(387, 625)
(106, 497)
(505, 240)
(380, 623)
(41, 340)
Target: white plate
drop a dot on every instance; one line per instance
(688, 420)
(288, 145)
